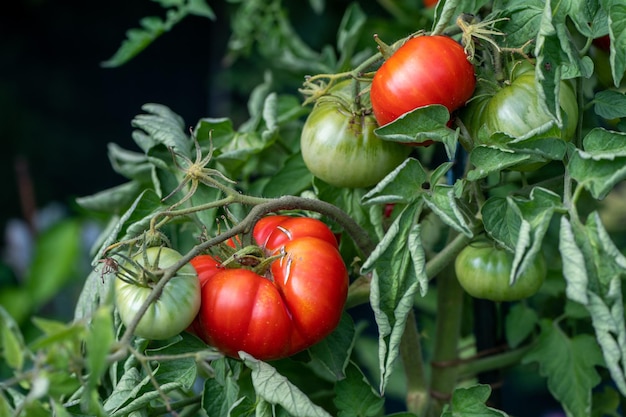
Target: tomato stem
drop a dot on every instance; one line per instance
(474, 366)
(448, 326)
(411, 354)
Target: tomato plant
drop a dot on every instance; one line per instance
(484, 271)
(340, 147)
(425, 70)
(389, 331)
(175, 307)
(293, 303)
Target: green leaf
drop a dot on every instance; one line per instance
(164, 127)
(5, 407)
(520, 224)
(57, 251)
(333, 352)
(291, 179)
(488, 159)
(602, 162)
(182, 370)
(200, 8)
(589, 18)
(552, 45)
(424, 123)
(12, 347)
(610, 104)
(112, 200)
(125, 390)
(98, 342)
(541, 147)
(443, 202)
(594, 279)
(121, 222)
(220, 399)
(152, 27)
(569, 364)
(97, 290)
(130, 164)
(276, 389)
(523, 21)
(402, 185)
(355, 397)
(137, 40)
(398, 273)
(55, 333)
(520, 322)
(574, 265)
(143, 401)
(350, 28)
(471, 402)
(617, 34)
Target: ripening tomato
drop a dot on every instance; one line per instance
(176, 306)
(284, 309)
(425, 70)
(483, 270)
(515, 109)
(339, 146)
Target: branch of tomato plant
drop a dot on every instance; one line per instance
(145, 364)
(413, 363)
(473, 366)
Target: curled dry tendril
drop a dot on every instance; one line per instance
(196, 172)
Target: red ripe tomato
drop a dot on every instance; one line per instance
(425, 70)
(430, 3)
(275, 313)
(241, 310)
(272, 232)
(206, 266)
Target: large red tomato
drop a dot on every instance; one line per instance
(425, 70)
(275, 313)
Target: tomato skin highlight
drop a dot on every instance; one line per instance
(425, 70)
(175, 308)
(295, 303)
(483, 270)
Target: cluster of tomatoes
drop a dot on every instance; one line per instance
(290, 293)
(424, 71)
(272, 300)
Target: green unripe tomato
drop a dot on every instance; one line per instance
(174, 309)
(339, 146)
(483, 270)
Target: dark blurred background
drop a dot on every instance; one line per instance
(60, 107)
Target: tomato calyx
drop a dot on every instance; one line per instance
(195, 172)
(472, 27)
(133, 272)
(253, 258)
